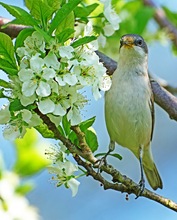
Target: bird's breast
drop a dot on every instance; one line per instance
(127, 111)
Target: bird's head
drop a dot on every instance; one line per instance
(133, 45)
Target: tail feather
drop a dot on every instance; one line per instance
(151, 171)
(153, 176)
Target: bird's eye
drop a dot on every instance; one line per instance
(139, 42)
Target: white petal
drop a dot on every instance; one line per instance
(60, 81)
(27, 100)
(55, 119)
(74, 116)
(46, 106)
(51, 60)
(59, 110)
(43, 89)
(69, 168)
(66, 51)
(29, 87)
(96, 92)
(25, 74)
(73, 184)
(105, 83)
(11, 132)
(48, 73)
(4, 115)
(36, 63)
(26, 115)
(71, 79)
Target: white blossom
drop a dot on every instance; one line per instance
(63, 169)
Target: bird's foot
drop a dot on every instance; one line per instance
(100, 162)
(141, 187)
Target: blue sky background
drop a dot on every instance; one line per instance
(92, 202)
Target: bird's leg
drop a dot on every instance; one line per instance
(102, 161)
(142, 180)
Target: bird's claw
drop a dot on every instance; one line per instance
(141, 187)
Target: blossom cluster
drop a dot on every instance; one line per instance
(63, 169)
(51, 77)
(110, 20)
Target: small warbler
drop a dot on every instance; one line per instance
(129, 107)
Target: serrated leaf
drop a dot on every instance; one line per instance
(85, 11)
(7, 60)
(65, 35)
(118, 156)
(47, 37)
(68, 23)
(82, 41)
(66, 125)
(15, 105)
(73, 138)
(41, 11)
(91, 140)
(30, 160)
(62, 13)
(87, 123)
(22, 16)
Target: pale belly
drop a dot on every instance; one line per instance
(128, 116)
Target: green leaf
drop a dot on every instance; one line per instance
(118, 156)
(172, 16)
(22, 36)
(68, 23)
(15, 105)
(4, 84)
(87, 124)
(84, 40)
(84, 11)
(91, 139)
(44, 131)
(73, 138)
(7, 60)
(47, 37)
(30, 160)
(142, 17)
(62, 13)
(65, 35)
(23, 17)
(66, 125)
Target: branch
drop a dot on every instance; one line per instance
(119, 182)
(162, 21)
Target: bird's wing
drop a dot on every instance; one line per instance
(151, 106)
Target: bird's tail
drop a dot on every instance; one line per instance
(151, 171)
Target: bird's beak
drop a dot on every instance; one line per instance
(128, 41)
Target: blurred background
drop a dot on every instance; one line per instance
(92, 202)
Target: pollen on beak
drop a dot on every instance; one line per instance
(128, 41)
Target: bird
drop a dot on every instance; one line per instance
(129, 107)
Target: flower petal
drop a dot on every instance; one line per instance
(73, 184)
(43, 89)
(46, 106)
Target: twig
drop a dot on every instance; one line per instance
(162, 21)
